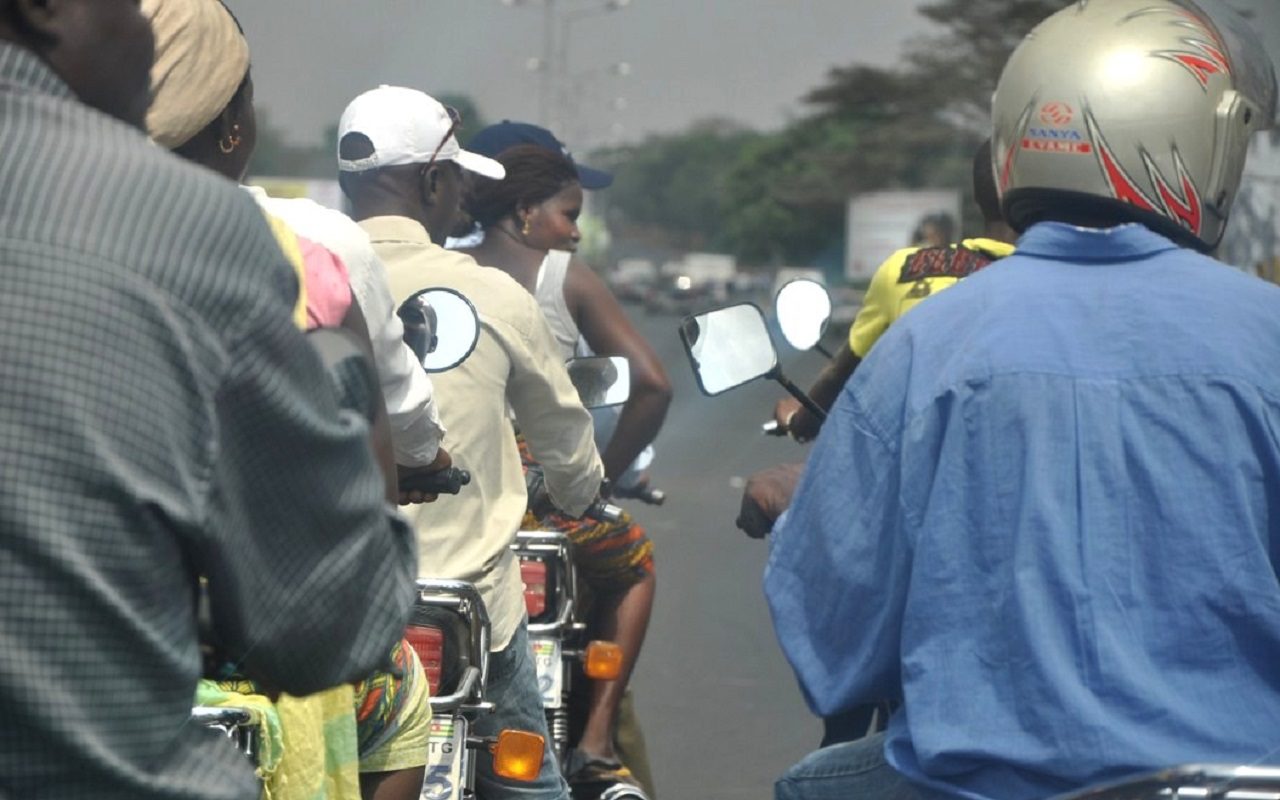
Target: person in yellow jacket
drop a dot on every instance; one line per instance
(906, 278)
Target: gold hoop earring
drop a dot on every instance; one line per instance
(228, 144)
(525, 230)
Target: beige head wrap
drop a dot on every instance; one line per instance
(201, 60)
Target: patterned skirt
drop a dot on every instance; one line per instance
(609, 555)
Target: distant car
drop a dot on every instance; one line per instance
(632, 279)
(677, 294)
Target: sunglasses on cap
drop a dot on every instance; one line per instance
(455, 122)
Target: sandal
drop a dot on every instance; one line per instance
(582, 769)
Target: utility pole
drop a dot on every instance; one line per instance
(547, 87)
(554, 81)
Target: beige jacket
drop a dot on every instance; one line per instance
(516, 363)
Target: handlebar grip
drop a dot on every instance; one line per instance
(601, 511)
(446, 481)
(772, 428)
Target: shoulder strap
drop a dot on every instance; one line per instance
(554, 269)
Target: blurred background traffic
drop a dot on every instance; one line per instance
(747, 137)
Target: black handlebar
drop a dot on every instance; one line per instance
(600, 511)
(446, 481)
(540, 501)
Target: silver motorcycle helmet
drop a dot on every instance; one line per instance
(1132, 110)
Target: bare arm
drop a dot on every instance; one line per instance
(826, 388)
(609, 332)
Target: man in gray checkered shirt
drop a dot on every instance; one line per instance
(160, 418)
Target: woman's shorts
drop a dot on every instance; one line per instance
(393, 714)
(609, 555)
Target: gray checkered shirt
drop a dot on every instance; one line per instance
(161, 418)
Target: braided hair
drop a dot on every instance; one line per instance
(534, 175)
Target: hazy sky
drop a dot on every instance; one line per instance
(747, 60)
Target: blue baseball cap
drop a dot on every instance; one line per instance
(507, 134)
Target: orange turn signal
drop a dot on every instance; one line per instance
(518, 755)
(603, 661)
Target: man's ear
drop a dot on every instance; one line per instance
(429, 185)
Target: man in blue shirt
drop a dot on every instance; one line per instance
(1045, 512)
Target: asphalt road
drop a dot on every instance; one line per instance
(721, 711)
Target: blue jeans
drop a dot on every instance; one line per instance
(513, 689)
(847, 771)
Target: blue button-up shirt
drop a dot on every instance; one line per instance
(1045, 512)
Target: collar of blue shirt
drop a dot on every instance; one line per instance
(1059, 241)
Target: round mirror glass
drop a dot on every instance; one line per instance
(729, 347)
(601, 382)
(804, 309)
(441, 326)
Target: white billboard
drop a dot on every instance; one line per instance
(880, 223)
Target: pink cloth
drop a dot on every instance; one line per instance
(328, 287)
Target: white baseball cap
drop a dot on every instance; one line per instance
(407, 126)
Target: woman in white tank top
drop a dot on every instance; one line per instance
(530, 225)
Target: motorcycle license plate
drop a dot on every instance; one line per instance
(446, 759)
(546, 659)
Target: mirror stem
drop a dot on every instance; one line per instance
(798, 393)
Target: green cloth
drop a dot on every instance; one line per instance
(271, 739)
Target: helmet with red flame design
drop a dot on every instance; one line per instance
(1132, 111)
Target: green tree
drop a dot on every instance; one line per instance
(963, 64)
(780, 198)
(872, 128)
(669, 191)
(784, 207)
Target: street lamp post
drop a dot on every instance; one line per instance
(542, 64)
(583, 93)
(553, 100)
(566, 22)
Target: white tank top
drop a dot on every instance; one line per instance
(549, 291)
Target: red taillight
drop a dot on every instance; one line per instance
(534, 575)
(428, 643)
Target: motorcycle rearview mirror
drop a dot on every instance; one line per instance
(803, 308)
(441, 326)
(517, 755)
(730, 347)
(601, 381)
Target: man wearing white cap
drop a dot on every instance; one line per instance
(402, 169)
